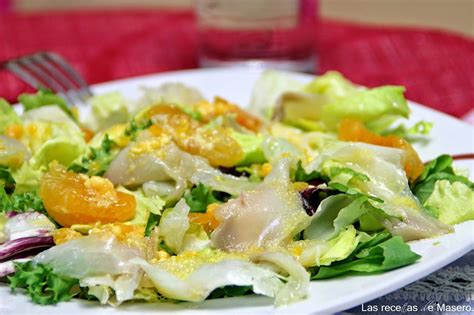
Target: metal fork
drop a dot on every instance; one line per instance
(51, 71)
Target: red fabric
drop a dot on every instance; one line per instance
(437, 68)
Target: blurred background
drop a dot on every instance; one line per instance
(452, 15)
(425, 45)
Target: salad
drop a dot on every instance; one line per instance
(174, 197)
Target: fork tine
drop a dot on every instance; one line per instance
(67, 83)
(84, 87)
(14, 67)
(45, 77)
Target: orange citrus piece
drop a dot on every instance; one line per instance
(215, 144)
(71, 198)
(221, 106)
(354, 130)
(206, 219)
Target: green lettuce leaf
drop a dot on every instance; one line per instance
(382, 252)
(300, 174)
(107, 110)
(6, 179)
(43, 98)
(268, 89)
(331, 84)
(421, 128)
(370, 106)
(251, 145)
(451, 202)
(146, 206)
(42, 284)
(336, 213)
(438, 169)
(7, 115)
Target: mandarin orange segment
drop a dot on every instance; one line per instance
(71, 198)
(215, 144)
(221, 106)
(354, 130)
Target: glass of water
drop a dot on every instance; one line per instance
(257, 33)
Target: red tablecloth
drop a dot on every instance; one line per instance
(436, 67)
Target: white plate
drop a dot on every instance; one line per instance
(449, 135)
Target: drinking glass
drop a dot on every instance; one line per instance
(257, 33)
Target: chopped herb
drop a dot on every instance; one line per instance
(135, 127)
(97, 161)
(201, 196)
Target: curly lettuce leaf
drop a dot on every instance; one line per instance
(382, 252)
(42, 284)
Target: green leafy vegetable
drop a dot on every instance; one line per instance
(107, 109)
(42, 98)
(230, 291)
(380, 253)
(26, 202)
(337, 212)
(6, 179)
(97, 161)
(438, 169)
(201, 196)
(451, 203)
(153, 220)
(421, 128)
(17, 201)
(371, 106)
(335, 171)
(7, 115)
(42, 284)
(302, 176)
(135, 127)
(251, 145)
